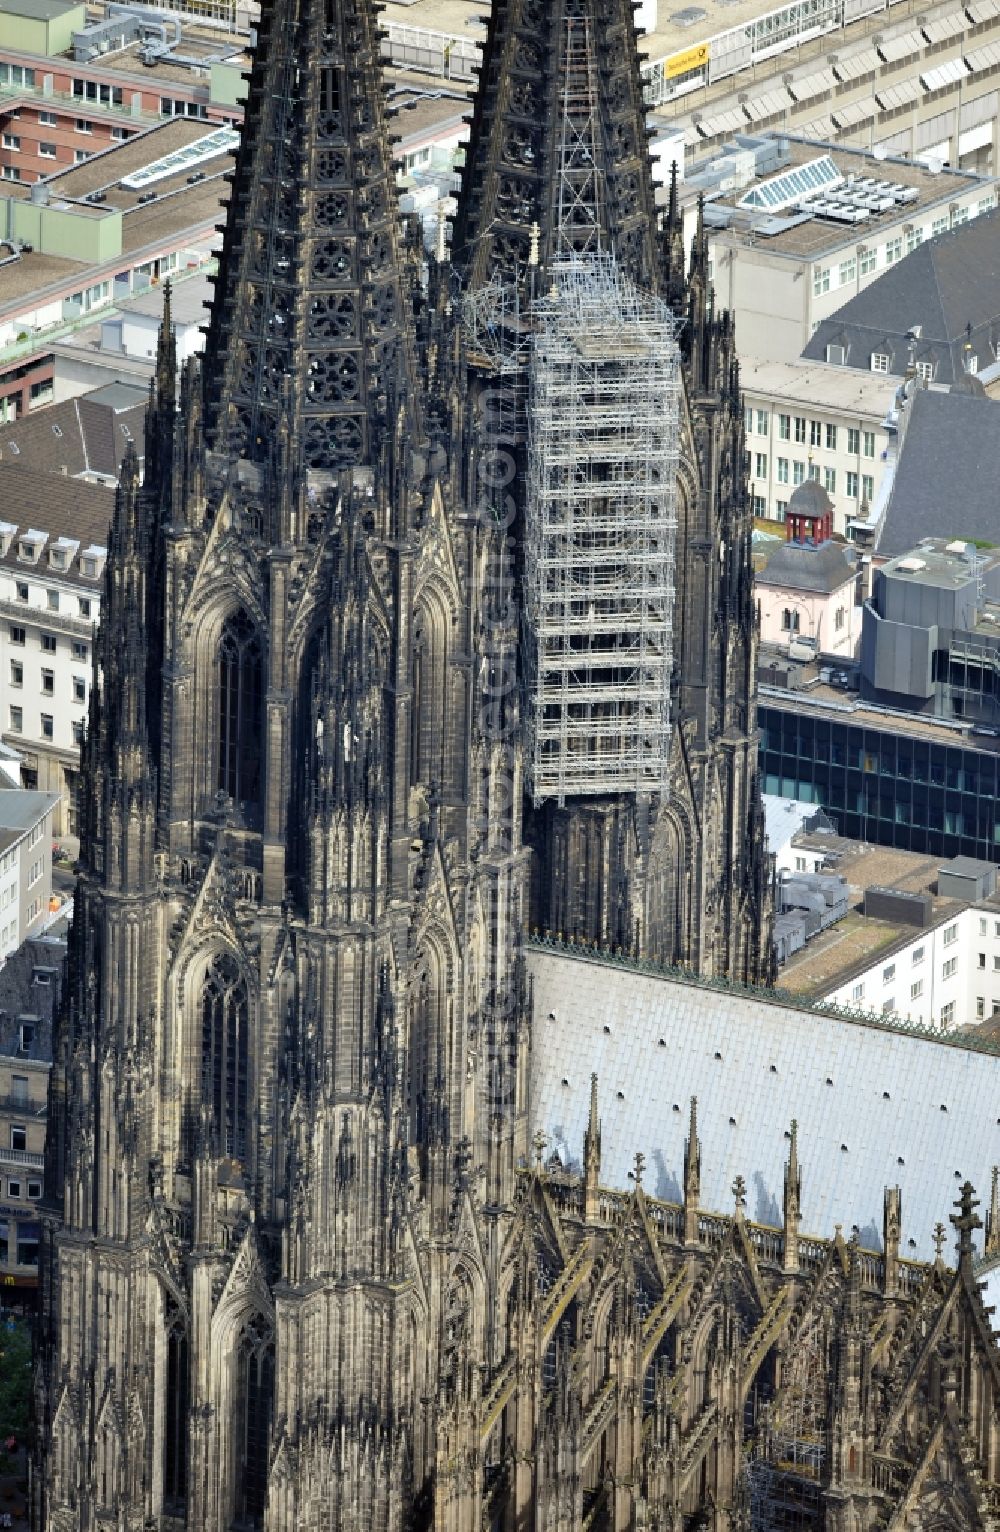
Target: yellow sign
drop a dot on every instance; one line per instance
(684, 63)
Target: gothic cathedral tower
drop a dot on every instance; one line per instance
(289, 1097)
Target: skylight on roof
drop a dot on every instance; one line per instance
(222, 141)
(794, 185)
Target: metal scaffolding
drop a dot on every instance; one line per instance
(603, 433)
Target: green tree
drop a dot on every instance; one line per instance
(15, 1381)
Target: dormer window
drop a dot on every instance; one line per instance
(880, 362)
(62, 552)
(8, 531)
(30, 545)
(57, 558)
(88, 567)
(837, 356)
(92, 561)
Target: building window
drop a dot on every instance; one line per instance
(11, 141)
(914, 238)
(83, 126)
(790, 620)
(948, 1013)
(26, 1037)
(880, 362)
(894, 250)
(782, 470)
(918, 956)
(800, 428)
(821, 281)
(17, 719)
(21, 590)
(747, 420)
(254, 1397)
(853, 441)
(13, 1188)
(939, 226)
(225, 1023)
(85, 610)
(16, 673)
(888, 973)
(176, 1406)
(16, 635)
(814, 472)
(888, 1006)
(852, 485)
(798, 472)
(762, 422)
(79, 689)
(48, 682)
(839, 619)
(780, 507)
(867, 488)
(80, 156)
(48, 643)
(830, 480)
(80, 651)
(867, 262)
(47, 726)
(46, 151)
(916, 989)
(19, 1137)
(241, 674)
(984, 926)
(831, 438)
(980, 1007)
(949, 967)
(785, 427)
(815, 433)
(34, 1190)
(836, 356)
(760, 465)
(27, 1245)
(950, 934)
(981, 961)
(47, 119)
(848, 270)
(858, 992)
(925, 370)
(758, 505)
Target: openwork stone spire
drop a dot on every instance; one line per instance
(310, 330)
(558, 76)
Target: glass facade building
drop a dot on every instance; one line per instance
(884, 786)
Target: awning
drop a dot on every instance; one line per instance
(846, 116)
(823, 128)
(948, 26)
(771, 104)
(893, 49)
(983, 58)
(945, 74)
(722, 122)
(812, 85)
(857, 65)
(893, 96)
(983, 10)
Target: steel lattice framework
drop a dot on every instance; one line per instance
(604, 396)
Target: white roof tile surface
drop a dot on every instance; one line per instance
(754, 1064)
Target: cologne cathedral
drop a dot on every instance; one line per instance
(428, 624)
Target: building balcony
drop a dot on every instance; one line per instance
(23, 1157)
(39, 616)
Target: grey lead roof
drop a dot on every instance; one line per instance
(944, 484)
(875, 1107)
(804, 566)
(945, 285)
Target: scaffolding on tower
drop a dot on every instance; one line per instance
(603, 449)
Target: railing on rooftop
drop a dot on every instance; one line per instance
(591, 953)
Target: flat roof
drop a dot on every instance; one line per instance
(844, 707)
(813, 238)
(848, 389)
(936, 565)
(41, 10)
(21, 808)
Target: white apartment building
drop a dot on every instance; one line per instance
(50, 583)
(811, 420)
(26, 820)
(946, 976)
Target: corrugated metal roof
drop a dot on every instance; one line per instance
(869, 1101)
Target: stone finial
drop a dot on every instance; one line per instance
(966, 1221)
(993, 1220)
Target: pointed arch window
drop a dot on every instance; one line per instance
(241, 709)
(225, 1012)
(255, 1397)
